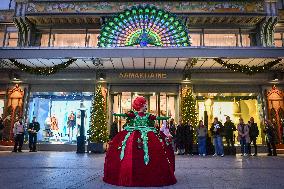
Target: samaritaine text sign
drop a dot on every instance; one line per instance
(142, 75)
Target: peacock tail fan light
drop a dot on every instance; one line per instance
(144, 26)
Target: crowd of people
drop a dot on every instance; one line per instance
(183, 136)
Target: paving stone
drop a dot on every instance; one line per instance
(60, 170)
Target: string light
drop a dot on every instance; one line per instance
(143, 26)
(249, 70)
(98, 125)
(42, 70)
(188, 107)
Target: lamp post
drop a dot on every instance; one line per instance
(81, 138)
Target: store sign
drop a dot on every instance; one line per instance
(142, 75)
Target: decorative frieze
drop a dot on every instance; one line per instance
(253, 6)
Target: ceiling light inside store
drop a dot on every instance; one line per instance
(102, 76)
(275, 77)
(187, 76)
(14, 77)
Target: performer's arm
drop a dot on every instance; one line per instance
(152, 117)
(120, 115)
(162, 118)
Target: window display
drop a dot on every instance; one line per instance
(234, 105)
(59, 115)
(1, 106)
(162, 104)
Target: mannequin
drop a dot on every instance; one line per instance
(71, 124)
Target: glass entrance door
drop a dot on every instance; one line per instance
(160, 104)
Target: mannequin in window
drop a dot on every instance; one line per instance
(54, 127)
(71, 124)
(47, 124)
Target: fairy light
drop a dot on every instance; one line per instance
(128, 29)
(42, 70)
(249, 70)
(98, 125)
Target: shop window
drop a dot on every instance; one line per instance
(195, 39)
(122, 103)
(220, 40)
(278, 39)
(1, 107)
(12, 39)
(245, 40)
(92, 40)
(171, 106)
(126, 102)
(53, 111)
(67, 40)
(2, 34)
(163, 104)
(44, 40)
(153, 104)
(232, 106)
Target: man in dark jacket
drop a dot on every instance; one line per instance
(229, 128)
(173, 132)
(253, 134)
(188, 138)
(172, 128)
(216, 132)
(271, 138)
(180, 138)
(1, 127)
(33, 129)
(113, 129)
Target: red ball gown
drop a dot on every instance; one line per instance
(140, 155)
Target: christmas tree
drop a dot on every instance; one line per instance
(188, 107)
(98, 124)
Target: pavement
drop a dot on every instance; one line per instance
(52, 170)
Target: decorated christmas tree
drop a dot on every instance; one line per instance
(98, 124)
(188, 107)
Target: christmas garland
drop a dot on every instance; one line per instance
(249, 70)
(42, 70)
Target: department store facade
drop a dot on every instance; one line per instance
(148, 62)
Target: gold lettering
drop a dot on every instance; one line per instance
(137, 75)
(142, 75)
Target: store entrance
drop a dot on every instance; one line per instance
(159, 103)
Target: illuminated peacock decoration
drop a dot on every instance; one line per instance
(144, 26)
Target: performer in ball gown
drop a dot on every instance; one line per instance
(140, 155)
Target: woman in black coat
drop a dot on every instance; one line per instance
(180, 138)
(271, 138)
